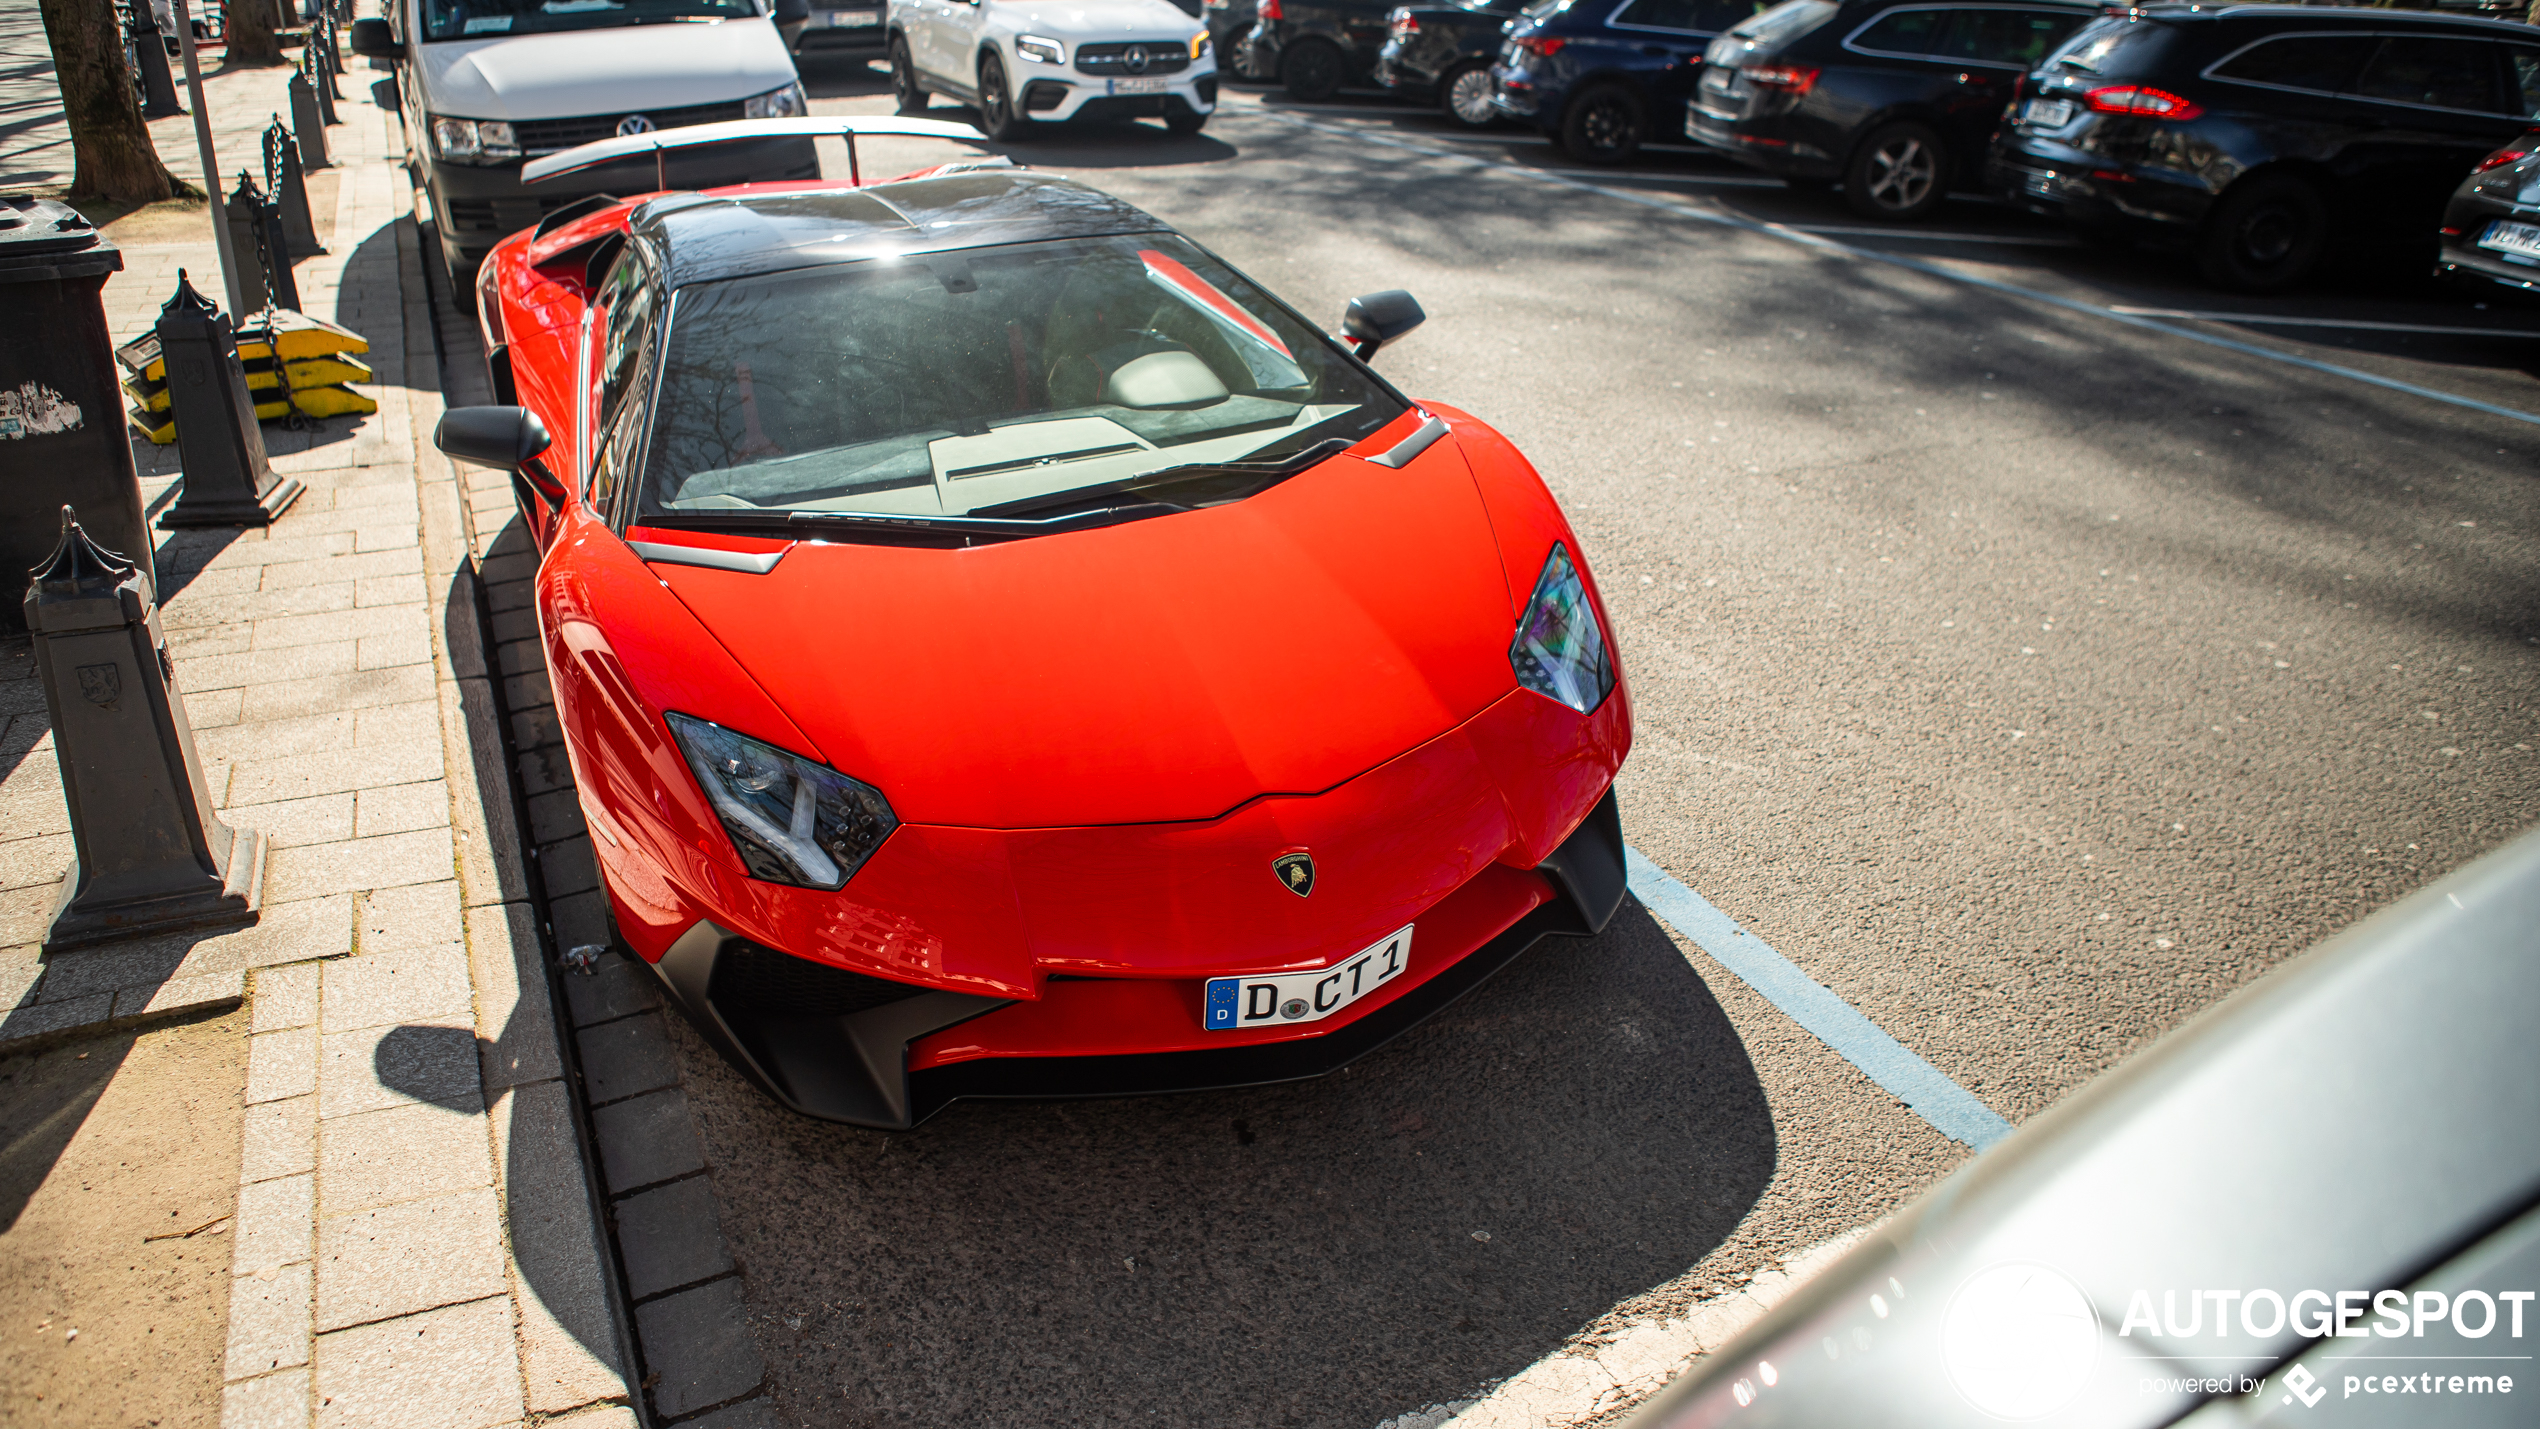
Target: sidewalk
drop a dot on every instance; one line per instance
(414, 1239)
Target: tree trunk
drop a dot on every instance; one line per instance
(109, 142)
(251, 32)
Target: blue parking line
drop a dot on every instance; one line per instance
(1949, 1107)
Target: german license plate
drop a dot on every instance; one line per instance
(1279, 999)
(2047, 113)
(2520, 239)
(1140, 86)
(854, 19)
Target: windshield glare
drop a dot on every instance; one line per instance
(943, 384)
(483, 19)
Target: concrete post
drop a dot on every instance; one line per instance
(158, 83)
(290, 192)
(227, 479)
(149, 855)
(307, 125)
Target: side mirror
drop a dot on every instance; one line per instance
(793, 12)
(1373, 321)
(373, 38)
(506, 437)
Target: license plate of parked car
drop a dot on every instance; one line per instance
(2047, 113)
(854, 19)
(1278, 999)
(2519, 239)
(1138, 86)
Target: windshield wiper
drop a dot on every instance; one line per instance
(878, 527)
(1108, 495)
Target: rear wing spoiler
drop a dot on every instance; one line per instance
(659, 142)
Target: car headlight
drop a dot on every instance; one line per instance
(1559, 651)
(1033, 47)
(791, 820)
(786, 103)
(1199, 44)
(474, 141)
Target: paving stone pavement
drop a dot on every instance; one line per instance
(415, 1239)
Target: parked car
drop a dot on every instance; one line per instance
(487, 85)
(2261, 138)
(846, 28)
(1025, 64)
(1597, 74)
(1314, 47)
(1229, 21)
(2335, 1163)
(2491, 230)
(1897, 102)
(1441, 54)
(1059, 459)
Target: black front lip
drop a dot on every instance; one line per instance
(853, 1068)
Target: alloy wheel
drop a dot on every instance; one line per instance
(1468, 97)
(1902, 172)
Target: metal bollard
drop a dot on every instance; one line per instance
(228, 482)
(148, 854)
(321, 85)
(290, 191)
(307, 125)
(158, 87)
(255, 228)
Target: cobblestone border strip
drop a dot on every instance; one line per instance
(694, 1357)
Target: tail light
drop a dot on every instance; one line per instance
(1544, 45)
(1798, 79)
(1401, 24)
(2143, 100)
(2019, 87)
(2521, 148)
(1268, 10)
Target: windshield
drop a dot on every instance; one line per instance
(956, 383)
(474, 19)
(2112, 46)
(1785, 20)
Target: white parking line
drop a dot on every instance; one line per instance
(2272, 320)
(1668, 204)
(2031, 240)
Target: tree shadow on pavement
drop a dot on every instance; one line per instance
(1435, 1218)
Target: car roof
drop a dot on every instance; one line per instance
(701, 237)
(2358, 16)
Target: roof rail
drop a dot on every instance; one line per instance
(659, 142)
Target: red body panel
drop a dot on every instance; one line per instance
(1096, 741)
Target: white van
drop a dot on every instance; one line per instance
(487, 84)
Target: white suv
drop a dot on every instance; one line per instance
(1030, 62)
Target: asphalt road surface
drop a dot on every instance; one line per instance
(2031, 678)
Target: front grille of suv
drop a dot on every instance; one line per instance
(1163, 57)
(546, 136)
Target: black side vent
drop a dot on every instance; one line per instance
(752, 982)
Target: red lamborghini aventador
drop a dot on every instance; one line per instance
(1006, 652)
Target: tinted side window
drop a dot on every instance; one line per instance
(2326, 63)
(1902, 32)
(1713, 16)
(2442, 72)
(2006, 37)
(628, 301)
(1658, 14)
(2526, 78)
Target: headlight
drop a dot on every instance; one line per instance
(1199, 44)
(791, 820)
(1560, 651)
(474, 141)
(1033, 47)
(786, 103)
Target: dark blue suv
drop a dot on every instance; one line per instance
(1597, 74)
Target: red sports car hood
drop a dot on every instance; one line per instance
(1166, 669)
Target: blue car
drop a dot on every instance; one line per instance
(1598, 75)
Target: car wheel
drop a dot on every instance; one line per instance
(1900, 173)
(1603, 126)
(997, 114)
(1189, 121)
(1312, 70)
(911, 95)
(2266, 235)
(1465, 97)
